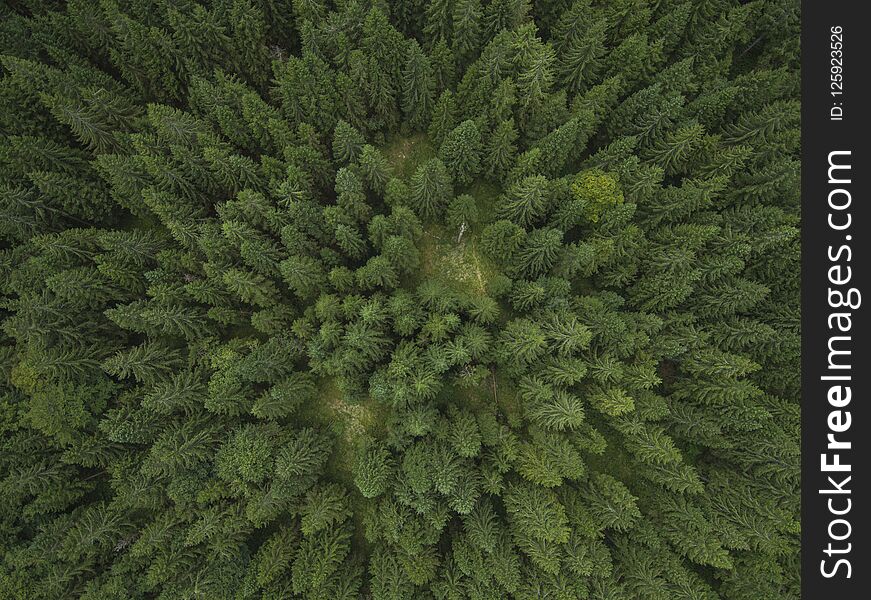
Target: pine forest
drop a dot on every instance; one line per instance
(399, 299)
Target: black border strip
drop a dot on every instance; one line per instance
(822, 135)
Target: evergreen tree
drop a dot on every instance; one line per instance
(347, 142)
(375, 168)
(500, 150)
(461, 152)
(466, 29)
(418, 88)
(443, 117)
(431, 189)
(526, 201)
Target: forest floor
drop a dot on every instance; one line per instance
(406, 154)
(459, 265)
(351, 422)
(457, 259)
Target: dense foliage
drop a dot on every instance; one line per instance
(399, 299)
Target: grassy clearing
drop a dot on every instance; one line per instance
(486, 195)
(460, 265)
(405, 154)
(458, 260)
(350, 423)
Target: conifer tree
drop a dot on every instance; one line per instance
(347, 142)
(418, 88)
(443, 117)
(431, 189)
(499, 151)
(461, 152)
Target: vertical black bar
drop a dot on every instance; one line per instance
(836, 226)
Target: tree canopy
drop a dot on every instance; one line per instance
(399, 300)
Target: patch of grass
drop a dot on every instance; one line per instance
(349, 422)
(460, 265)
(405, 154)
(486, 195)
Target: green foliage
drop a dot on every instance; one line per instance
(594, 192)
(401, 300)
(347, 142)
(431, 189)
(372, 471)
(461, 152)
